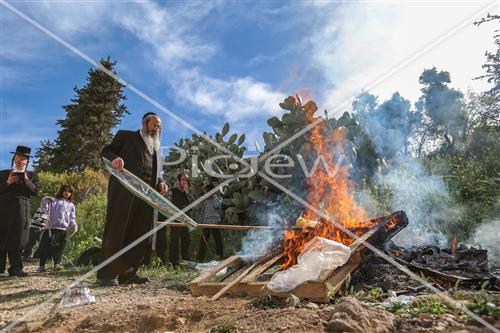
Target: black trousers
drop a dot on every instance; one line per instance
(179, 234)
(11, 246)
(35, 237)
(205, 237)
(52, 246)
(129, 262)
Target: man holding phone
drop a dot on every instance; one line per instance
(17, 185)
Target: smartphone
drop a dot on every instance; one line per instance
(20, 176)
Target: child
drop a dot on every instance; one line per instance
(62, 212)
(36, 229)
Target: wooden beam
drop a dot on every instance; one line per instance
(237, 279)
(203, 277)
(223, 226)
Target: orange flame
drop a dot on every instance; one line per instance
(453, 245)
(329, 191)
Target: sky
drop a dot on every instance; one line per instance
(229, 61)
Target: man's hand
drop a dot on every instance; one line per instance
(163, 188)
(118, 163)
(12, 179)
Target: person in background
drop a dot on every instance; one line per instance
(36, 228)
(62, 216)
(17, 185)
(180, 197)
(210, 214)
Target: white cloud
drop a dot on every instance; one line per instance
(362, 42)
(235, 99)
(172, 36)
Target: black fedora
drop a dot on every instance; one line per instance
(22, 150)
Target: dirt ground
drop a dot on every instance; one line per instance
(153, 308)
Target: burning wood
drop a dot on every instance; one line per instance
(251, 279)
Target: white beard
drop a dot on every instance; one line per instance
(152, 142)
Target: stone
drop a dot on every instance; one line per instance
(351, 316)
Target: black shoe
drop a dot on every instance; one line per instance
(135, 279)
(107, 282)
(18, 273)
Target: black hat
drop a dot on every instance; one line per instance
(147, 114)
(22, 150)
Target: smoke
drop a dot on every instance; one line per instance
(258, 242)
(423, 196)
(487, 236)
(425, 200)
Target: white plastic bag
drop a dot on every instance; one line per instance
(79, 295)
(319, 259)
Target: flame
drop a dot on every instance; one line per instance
(329, 191)
(453, 245)
(397, 253)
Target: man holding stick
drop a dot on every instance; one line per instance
(128, 217)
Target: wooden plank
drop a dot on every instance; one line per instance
(237, 279)
(223, 226)
(311, 290)
(338, 277)
(203, 277)
(262, 268)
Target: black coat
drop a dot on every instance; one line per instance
(15, 209)
(130, 146)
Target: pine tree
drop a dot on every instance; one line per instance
(94, 111)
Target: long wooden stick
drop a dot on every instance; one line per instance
(237, 279)
(223, 226)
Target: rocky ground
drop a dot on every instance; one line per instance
(155, 308)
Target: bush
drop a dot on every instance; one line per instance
(86, 184)
(90, 217)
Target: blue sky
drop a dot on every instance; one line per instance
(212, 62)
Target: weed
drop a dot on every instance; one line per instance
(222, 328)
(268, 302)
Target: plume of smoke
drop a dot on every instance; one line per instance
(487, 236)
(259, 242)
(425, 200)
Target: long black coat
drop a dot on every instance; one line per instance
(15, 209)
(130, 146)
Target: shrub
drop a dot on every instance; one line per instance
(90, 217)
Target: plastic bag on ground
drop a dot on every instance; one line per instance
(319, 259)
(76, 296)
(401, 299)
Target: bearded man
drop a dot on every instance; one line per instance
(128, 217)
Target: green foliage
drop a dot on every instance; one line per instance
(222, 328)
(443, 107)
(170, 278)
(423, 305)
(91, 218)
(372, 296)
(483, 304)
(87, 184)
(94, 111)
(267, 302)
